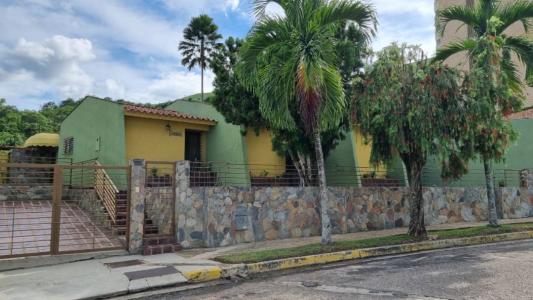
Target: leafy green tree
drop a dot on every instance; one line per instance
(490, 50)
(238, 105)
(10, 133)
(414, 109)
(57, 113)
(353, 47)
(291, 61)
(241, 107)
(200, 39)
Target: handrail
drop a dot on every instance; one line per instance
(106, 191)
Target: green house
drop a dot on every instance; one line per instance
(113, 133)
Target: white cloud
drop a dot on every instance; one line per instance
(422, 7)
(52, 49)
(178, 84)
(35, 51)
(115, 89)
(54, 61)
(406, 21)
(190, 8)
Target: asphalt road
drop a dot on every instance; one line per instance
(497, 271)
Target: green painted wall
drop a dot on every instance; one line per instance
(519, 156)
(94, 119)
(341, 164)
(225, 143)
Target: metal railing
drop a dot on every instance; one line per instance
(61, 215)
(106, 191)
(160, 198)
(264, 175)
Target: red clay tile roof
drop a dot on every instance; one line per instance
(163, 112)
(521, 115)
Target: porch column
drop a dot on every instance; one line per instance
(136, 218)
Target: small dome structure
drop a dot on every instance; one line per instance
(42, 140)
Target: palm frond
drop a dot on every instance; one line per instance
(259, 7)
(519, 11)
(454, 48)
(268, 32)
(344, 10)
(523, 48)
(332, 108)
(510, 70)
(465, 15)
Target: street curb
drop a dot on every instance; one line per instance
(244, 270)
(204, 275)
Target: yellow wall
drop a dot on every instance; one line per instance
(149, 139)
(362, 153)
(4, 156)
(262, 159)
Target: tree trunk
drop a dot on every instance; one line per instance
(417, 228)
(202, 58)
(491, 194)
(298, 168)
(323, 193)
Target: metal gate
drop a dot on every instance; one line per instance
(159, 219)
(56, 209)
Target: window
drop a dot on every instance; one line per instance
(97, 146)
(68, 145)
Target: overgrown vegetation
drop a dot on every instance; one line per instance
(493, 84)
(17, 125)
(413, 108)
(266, 255)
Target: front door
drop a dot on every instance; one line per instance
(193, 145)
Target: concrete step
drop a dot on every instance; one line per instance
(159, 240)
(160, 249)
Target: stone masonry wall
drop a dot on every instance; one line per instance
(222, 216)
(25, 192)
(159, 203)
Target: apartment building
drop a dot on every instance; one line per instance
(455, 32)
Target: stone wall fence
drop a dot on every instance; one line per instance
(222, 216)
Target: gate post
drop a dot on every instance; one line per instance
(182, 175)
(56, 210)
(136, 218)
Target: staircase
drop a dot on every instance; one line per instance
(155, 243)
(121, 217)
(160, 244)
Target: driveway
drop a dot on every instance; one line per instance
(25, 229)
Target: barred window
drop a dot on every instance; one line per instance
(68, 145)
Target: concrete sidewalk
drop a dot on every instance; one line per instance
(119, 275)
(104, 277)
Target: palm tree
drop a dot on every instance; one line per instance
(488, 21)
(291, 61)
(200, 38)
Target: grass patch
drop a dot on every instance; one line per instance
(265, 255)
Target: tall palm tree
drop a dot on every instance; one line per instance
(200, 38)
(488, 22)
(291, 61)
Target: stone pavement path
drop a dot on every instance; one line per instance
(210, 253)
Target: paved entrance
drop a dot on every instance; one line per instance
(55, 209)
(26, 229)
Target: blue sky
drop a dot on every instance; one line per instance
(54, 49)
